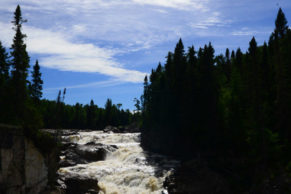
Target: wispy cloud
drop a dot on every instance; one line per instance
(90, 35)
(177, 4)
(60, 53)
(98, 84)
(139, 23)
(212, 20)
(249, 32)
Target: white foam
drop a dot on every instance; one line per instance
(125, 170)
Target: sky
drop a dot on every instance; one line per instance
(101, 49)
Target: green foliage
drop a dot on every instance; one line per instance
(4, 65)
(14, 88)
(36, 86)
(57, 114)
(44, 141)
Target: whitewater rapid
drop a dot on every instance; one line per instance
(128, 169)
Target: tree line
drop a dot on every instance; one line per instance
(236, 105)
(57, 114)
(21, 100)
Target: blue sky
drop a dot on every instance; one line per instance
(101, 49)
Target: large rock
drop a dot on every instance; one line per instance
(132, 128)
(195, 177)
(36, 171)
(23, 167)
(76, 184)
(94, 152)
(69, 157)
(73, 154)
(110, 128)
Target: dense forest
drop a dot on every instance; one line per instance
(20, 95)
(232, 109)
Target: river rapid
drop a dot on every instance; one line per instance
(126, 169)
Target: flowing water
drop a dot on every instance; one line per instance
(128, 169)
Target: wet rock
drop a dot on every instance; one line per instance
(110, 128)
(91, 154)
(94, 152)
(132, 128)
(76, 184)
(69, 156)
(74, 154)
(196, 177)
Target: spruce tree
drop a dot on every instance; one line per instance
(281, 24)
(20, 58)
(20, 65)
(36, 86)
(4, 65)
(4, 76)
(91, 115)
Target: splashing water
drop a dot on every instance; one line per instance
(125, 170)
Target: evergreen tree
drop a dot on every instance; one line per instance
(283, 83)
(4, 78)
(36, 86)
(20, 65)
(20, 58)
(227, 67)
(91, 115)
(108, 111)
(281, 24)
(4, 65)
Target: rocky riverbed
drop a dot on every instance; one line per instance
(107, 162)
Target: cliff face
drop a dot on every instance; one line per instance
(23, 169)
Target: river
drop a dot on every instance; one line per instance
(126, 169)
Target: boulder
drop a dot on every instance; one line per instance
(74, 154)
(110, 128)
(196, 177)
(94, 152)
(71, 158)
(132, 128)
(76, 184)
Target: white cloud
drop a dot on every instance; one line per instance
(211, 20)
(79, 28)
(60, 53)
(70, 35)
(98, 84)
(140, 22)
(245, 31)
(177, 4)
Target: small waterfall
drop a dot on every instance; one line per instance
(128, 169)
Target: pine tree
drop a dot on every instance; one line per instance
(20, 65)
(283, 83)
(108, 111)
(36, 87)
(4, 65)
(91, 115)
(145, 96)
(227, 67)
(4, 76)
(179, 66)
(281, 24)
(20, 58)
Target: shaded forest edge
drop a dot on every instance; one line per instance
(21, 93)
(229, 112)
